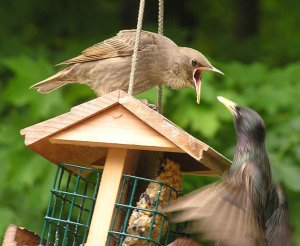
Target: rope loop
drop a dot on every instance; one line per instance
(160, 31)
(137, 44)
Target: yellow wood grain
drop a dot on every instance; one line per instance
(118, 161)
(116, 127)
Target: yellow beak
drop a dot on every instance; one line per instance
(228, 104)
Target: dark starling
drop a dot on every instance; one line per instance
(106, 66)
(246, 208)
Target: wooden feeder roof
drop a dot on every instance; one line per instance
(118, 120)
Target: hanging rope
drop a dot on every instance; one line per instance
(160, 31)
(136, 46)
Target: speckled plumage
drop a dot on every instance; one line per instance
(106, 66)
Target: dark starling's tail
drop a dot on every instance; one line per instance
(52, 83)
(278, 231)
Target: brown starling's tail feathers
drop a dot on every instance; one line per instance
(52, 83)
(183, 241)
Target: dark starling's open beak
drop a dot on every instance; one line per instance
(231, 106)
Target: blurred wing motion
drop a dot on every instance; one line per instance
(222, 213)
(184, 242)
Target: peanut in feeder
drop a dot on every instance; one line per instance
(142, 219)
(113, 132)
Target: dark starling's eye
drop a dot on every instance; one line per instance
(237, 110)
(194, 63)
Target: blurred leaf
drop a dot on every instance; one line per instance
(289, 174)
(26, 72)
(8, 216)
(207, 121)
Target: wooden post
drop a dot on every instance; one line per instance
(117, 162)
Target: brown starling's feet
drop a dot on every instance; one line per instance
(152, 106)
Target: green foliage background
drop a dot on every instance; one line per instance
(261, 64)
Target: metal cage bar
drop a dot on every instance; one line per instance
(72, 201)
(116, 236)
(71, 205)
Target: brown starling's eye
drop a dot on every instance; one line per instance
(194, 63)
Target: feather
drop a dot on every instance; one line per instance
(120, 45)
(184, 242)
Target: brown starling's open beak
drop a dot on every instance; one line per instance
(231, 106)
(212, 69)
(197, 78)
(197, 83)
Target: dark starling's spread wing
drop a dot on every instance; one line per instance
(221, 213)
(120, 45)
(184, 242)
(278, 230)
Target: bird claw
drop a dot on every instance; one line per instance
(150, 105)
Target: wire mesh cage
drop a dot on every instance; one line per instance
(136, 219)
(71, 205)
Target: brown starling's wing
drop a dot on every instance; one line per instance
(278, 230)
(221, 212)
(183, 241)
(113, 47)
(120, 45)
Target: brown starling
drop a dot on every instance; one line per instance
(106, 66)
(246, 208)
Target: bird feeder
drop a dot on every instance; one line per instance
(105, 142)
